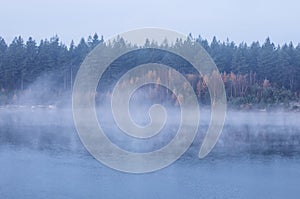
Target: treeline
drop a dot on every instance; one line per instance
(255, 73)
(21, 63)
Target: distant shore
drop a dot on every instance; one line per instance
(290, 107)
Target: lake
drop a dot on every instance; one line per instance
(257, 156)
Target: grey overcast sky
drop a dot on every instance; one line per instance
(238, 20)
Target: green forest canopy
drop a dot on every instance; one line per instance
(270, 73)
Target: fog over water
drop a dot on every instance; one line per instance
(48, 126)
(41, 155)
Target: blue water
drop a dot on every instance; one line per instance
(42, 174)
(48, 161)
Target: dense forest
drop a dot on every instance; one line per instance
(261, 75)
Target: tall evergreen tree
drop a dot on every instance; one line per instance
(3, 49)
(239, 61)
(31, 61)
(266, 61)
(15, 65)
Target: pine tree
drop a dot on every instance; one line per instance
(15, 66)
(3, 49)
(239, 60)
(266, 61)
(30, 62)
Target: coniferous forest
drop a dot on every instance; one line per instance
(258, 75)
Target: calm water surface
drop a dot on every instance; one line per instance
(258, 159)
